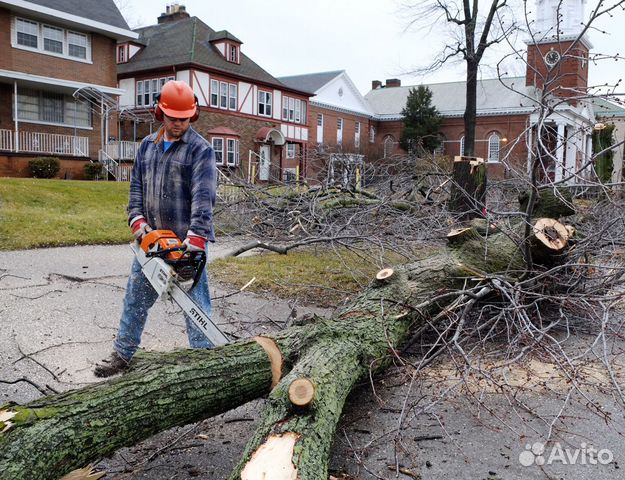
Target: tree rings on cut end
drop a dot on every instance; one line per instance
(551, 233)
(301, 392)
(385, 274)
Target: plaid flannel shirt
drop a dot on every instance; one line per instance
(175, 190)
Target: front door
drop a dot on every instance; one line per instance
(265, 162)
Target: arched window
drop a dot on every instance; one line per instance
(462, 145)
(494, 142)
(389, 143)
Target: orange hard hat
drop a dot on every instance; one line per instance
(177, 100)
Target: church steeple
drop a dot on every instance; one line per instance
(559, 18)
(556, 55)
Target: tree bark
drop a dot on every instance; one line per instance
(57, 434)
(468, 191)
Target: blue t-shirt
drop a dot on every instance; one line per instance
(166, 145)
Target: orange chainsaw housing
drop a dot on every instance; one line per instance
(157, 240)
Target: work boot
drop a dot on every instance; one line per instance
(111, 366)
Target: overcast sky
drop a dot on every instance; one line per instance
(367, 38)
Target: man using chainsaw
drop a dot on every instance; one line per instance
(172, 187)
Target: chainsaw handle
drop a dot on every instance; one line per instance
(162, 253)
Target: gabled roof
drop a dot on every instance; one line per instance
(188, 41)
(610, 108)
(310, 82)
(101, 16)
(494, 97)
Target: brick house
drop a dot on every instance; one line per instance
(507, 113)
(50, 50)
(257, 125)
(340, 125)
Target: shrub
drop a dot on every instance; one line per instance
(93, 170)
(44, 167)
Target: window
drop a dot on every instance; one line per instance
(372, 135)
(233, 152)
(291, 109)
(232, 97)
(148, 90)
(53, 39)
(55, 108)
(223, 95)
(298, 111)
(155, 90)
(389, 143)
(320, 128)
(77, 45)
(339, 131)
(290, 150)
(264, 103)
(214, 100)
(139, 93)
(493, 147)
(218, 147)
(234, 53)
(27, 32)
(357, 135)
(462, 145)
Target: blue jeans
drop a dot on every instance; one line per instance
(140, 296)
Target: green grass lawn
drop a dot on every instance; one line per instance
(42, 213)
(321, 277)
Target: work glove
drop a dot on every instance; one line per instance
(194, 242)
(139, 227)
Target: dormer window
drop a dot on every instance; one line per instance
(234, 53)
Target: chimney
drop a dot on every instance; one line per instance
(375, 84)
(173, 13)
(393, 82)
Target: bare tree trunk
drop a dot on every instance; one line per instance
(468, 191)
(55, 435)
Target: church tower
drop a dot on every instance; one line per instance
(554, 57)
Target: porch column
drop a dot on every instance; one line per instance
(559, 165)
(529, 149)
(588, 158)
(17, 123)
(571, 147)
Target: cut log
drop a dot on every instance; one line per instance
(384, 274)
(301, 392)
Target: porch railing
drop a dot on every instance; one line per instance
(46, 143)
(122, 150)
(119, 171)
(6, 140)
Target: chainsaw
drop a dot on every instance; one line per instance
(165, 262)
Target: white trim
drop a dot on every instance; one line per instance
(64, 125)
(99, 27)
(334, 108)
(59, 82)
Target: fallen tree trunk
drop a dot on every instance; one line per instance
(55, 435)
